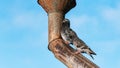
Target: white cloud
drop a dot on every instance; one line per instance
(112, 16)
(31, 20)
(27, 61)
(118, 63)
(107, 51)
(108, 46)
(84, 21)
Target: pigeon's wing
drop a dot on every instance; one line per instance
(71, 35)
(81, 45)
(85, 47)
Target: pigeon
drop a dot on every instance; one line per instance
(70, 37)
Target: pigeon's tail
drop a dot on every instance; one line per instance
(91, 56)
(90, 52)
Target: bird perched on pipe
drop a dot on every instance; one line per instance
(70, 37)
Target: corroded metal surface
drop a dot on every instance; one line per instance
(65, 54)
(56, 10)
(57, 5)
(54, 20)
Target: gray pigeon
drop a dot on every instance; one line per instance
(70, 37)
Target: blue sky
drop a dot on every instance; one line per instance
(24, 33)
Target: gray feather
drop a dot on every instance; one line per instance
(70, 36)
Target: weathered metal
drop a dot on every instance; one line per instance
(66, 54)
(56, 10)
(57, 5)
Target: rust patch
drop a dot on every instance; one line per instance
(57, 5)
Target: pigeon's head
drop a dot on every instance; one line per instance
(66, 23)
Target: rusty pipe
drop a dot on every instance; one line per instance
(56, 10)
